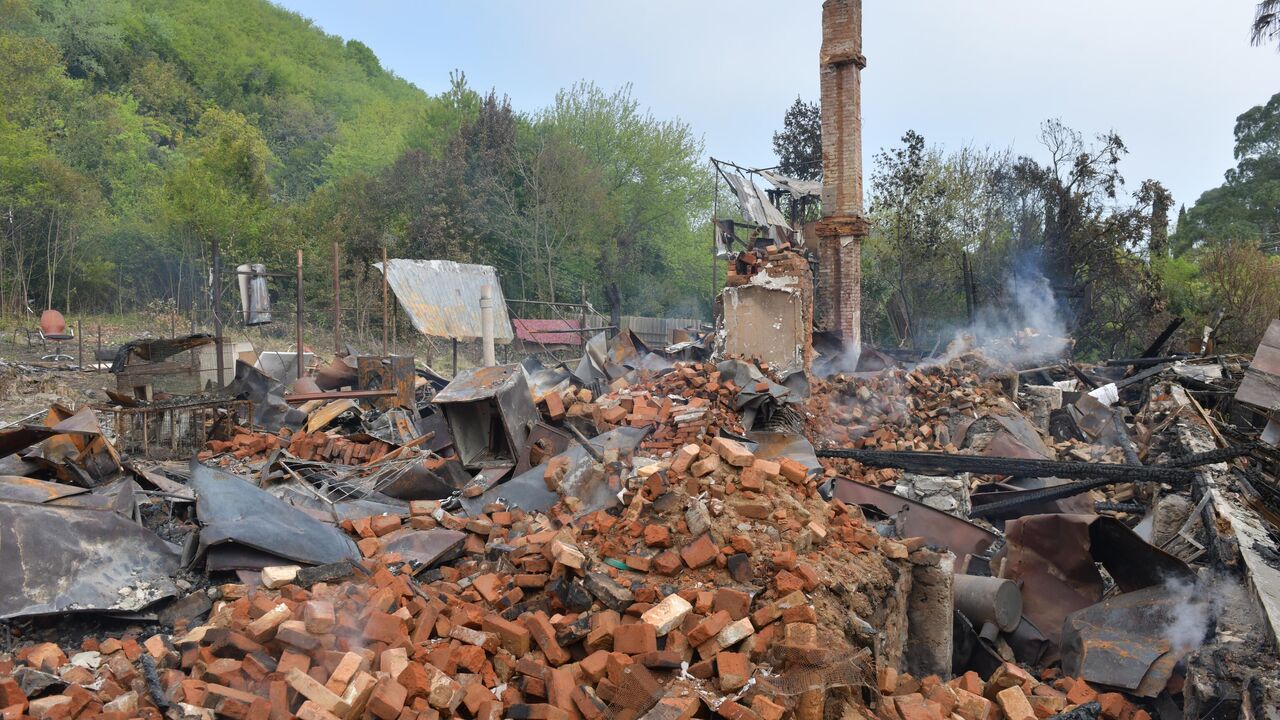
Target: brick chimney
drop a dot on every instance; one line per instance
(843, 225)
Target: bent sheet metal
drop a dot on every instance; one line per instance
(245, 527)
(67, 559)
(1133, 641)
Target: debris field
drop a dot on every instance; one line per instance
(676, 538)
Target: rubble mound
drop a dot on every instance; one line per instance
(927, 409)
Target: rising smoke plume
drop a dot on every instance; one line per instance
(1023, 326)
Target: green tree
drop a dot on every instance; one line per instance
(1246, 207)
(219, 191)
(799, 144)
(657, 186)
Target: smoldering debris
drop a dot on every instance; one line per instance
(729, 535)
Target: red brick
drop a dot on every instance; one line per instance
(539, 626)
(384, 627)
(1081, 693)
(318, 615)
(785, 582)
(767, 709)
(515, 638)
(734, 602)
(1114, 706)
(635, 638)
(700, 552)
(667, 563)
(734, 670)
(387, 699)
(657, 536)
(913, 706)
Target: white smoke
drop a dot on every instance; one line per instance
(1024, 325)
(845, 361)
(1189, 622)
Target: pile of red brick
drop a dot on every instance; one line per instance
(722, 585)
(663, 607)
(924, 410)
(329, 447)
(749, 262)
(685, 405)
(243, 444)
(246, 444)
(1010, 692)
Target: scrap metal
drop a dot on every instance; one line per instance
(64, 559)
(243, 526)
(1133, 641)
(442, 297)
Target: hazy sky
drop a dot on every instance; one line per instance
(1170, 76)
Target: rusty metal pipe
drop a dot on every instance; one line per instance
(337, 303)
(299, 329)
(989, 600)
(486, 325)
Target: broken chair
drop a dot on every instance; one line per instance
(53, 328)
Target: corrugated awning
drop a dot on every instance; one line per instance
(548, 332)
(442, 297)
(795, 186)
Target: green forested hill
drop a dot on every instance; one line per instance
(133, 133)
(325, 107)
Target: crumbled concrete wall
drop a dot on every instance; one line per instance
(950, 494)
(771, 317)
(930, 611)
(892, 621)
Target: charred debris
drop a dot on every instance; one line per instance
(759, 521)
(676, 532)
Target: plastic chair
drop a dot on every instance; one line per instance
(53, 328)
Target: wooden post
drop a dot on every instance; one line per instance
(299, 314)
(217, 310)
(385, 327)
(98, 354)
(337, 303)
(80, 342)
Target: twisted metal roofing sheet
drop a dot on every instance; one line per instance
(442, 297)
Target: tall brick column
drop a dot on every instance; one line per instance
(843, 225)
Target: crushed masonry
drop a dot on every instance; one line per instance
(762, 521)
(696, 567)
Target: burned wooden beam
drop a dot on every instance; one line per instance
(923, 462)
(1147, 361)
(1154, 348)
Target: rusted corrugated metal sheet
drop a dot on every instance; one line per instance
(657, 332)
(442, 297)
(548, 332)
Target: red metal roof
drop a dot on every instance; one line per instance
(548, 332)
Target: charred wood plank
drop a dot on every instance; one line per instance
(924, 462)
(1159, 343)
